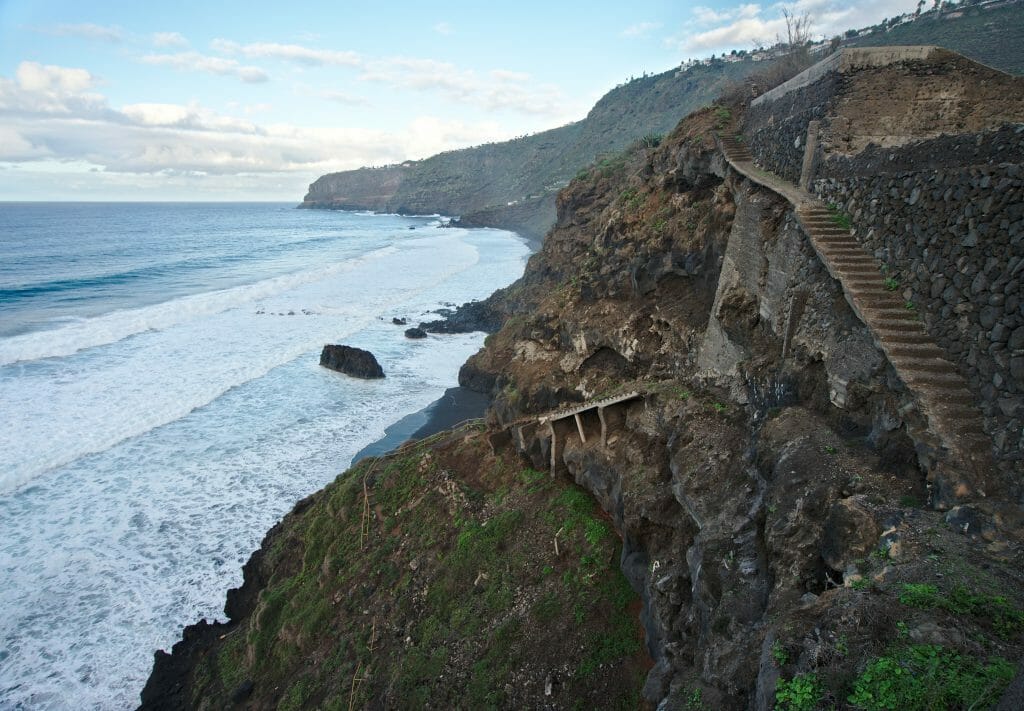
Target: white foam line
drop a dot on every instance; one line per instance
(118, 325)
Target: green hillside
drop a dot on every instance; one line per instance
(512, 184)
(991, 36)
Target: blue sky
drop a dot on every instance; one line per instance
(252, 101)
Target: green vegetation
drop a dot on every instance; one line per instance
(801, 693)
(994, 611)
(988, 36)
(402, 542)
(779, 654)
(922, 677)
(892, 284)
(723, 115)
(839, 218)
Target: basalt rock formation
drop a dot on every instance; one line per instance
(351, 361)
(815, 487)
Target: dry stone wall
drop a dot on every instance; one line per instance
(952, 241)
(776, 131)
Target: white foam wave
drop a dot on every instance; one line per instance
(110, 328)
(108, 556)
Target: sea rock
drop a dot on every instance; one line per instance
(399, 321)
(415, 333)
(351, 361)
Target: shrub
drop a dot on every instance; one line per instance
(801, 693)
(927, 676)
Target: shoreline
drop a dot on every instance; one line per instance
(456, 405)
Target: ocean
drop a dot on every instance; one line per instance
(162, 406)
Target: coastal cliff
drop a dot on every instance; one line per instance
(738, 455)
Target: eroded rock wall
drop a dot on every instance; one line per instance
(767, 409)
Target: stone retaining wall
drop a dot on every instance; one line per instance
(952, 240)
(775, 131)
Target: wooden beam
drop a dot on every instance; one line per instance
(579, 426)
(554, 446)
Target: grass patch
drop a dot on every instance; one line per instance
(839, 218)
(992, 610)
(921, 677)
(801, 693)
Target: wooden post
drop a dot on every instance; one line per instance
(554, 446)
(579, 426)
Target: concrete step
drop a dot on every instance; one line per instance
(924, 366)
(860, 272)
(864, 280)
(823, 221)
(909, 328)
(915, 350)
(901, 336)
(849, 257)
(827, 231)
(858, 266)
(926, 379)
(843, 254)
(978, 441)
(967, 419)
(834, 234)
(848, 249)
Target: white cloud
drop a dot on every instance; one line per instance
(640, 29)
(169, 39)
(740, 33)
(443, 28)
(746, 25)
(288, 52)
(342, 97)
(498, 90)
(48, 115)
(47, 78)
(86, 30)
(193, 61)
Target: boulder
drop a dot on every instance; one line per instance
(351, 361)
(415, 333)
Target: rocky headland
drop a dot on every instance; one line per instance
(755, 439)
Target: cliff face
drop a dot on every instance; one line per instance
(769, 486)
(685, 351)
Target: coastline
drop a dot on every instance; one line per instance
(456, 405)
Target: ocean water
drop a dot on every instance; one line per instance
(162, 406)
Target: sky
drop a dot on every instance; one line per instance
(228, 100)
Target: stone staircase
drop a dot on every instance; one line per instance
(951, 443)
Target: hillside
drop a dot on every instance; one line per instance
(479, 183)
(813, 472)
(991, 36)
(528, 171)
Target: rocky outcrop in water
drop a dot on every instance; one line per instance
(351, 361)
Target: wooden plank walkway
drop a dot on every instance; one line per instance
(939, 390)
